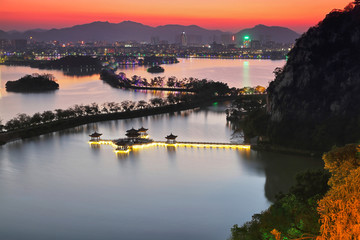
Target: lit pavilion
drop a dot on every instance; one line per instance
(95, 137)
(143, 133)
(132, 133)
(171, 138)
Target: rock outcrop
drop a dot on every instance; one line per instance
(317, 93)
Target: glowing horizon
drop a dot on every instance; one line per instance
(230, 15)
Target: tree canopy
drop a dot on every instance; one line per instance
(340, 209)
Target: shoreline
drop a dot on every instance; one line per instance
(160, 89)
(286, 150)
(64, 124)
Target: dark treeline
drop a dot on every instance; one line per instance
(200, 86)
(248, 113)
(154, 60)
(89, 62)
(33, 83)
(72, 62)
(24, 121)
(23, 125)
(115, 61)
(66, 62)
(70, 65)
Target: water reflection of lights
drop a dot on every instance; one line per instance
(246, 74)
(121, 151)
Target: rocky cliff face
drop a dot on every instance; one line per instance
(321, 79)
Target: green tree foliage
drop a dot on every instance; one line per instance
(249, 112)
(293, 214)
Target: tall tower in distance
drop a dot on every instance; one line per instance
(183, 39)
(246, 41)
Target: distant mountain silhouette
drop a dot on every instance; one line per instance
(3, 34)
(194, 33)
(124, 31)
(265, 33)
(128, 30)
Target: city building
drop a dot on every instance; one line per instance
(19, 44)
(183, 39)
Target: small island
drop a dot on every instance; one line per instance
(33, 83)
(155, 69)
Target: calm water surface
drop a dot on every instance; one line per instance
(58, 187)
(87, 89)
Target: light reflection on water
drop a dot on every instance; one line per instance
(58, 185)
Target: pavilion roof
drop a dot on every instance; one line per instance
(133, 134)
(95, 134)
(171, 136)
(142, 129)
(132, 130)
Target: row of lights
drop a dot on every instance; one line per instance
(198, 145)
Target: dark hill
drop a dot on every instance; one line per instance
(128, 30)
(3, 34)
(194, 33)
(264, 34)
(315, 100)
(96, 31)
(124, 31)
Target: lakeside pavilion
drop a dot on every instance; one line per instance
(171, 138)
(132, 133)
(143, 132)
(95, 136)
(122, 145)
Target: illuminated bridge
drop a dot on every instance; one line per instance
(124, 148)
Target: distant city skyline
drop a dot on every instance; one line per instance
(226, 15)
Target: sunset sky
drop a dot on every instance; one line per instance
(228, 15)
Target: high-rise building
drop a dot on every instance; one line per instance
(183, 39)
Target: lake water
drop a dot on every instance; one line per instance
(88, 89)
(57, 186)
